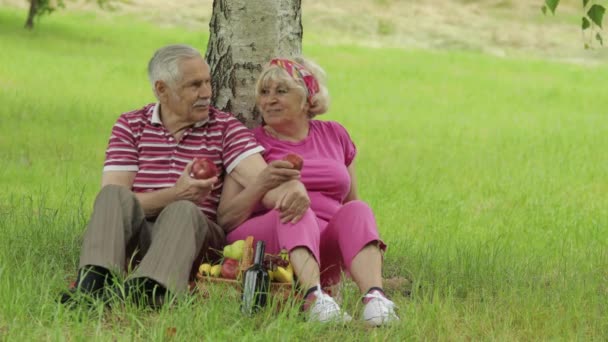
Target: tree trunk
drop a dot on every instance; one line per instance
(29, 23)
(244, 35)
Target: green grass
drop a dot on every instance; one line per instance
(487, 177)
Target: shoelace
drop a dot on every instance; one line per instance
(324, 300)
(377, 295)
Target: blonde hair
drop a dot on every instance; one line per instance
(319, 102)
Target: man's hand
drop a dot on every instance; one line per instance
(191, 189)
(276, 173)
(292, 201)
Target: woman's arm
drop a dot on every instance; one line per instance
(352, 194)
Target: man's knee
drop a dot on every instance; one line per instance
(184, 217)
(113, 192)
(182, 207)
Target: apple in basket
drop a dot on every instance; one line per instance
(230, 268)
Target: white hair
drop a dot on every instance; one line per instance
(164, 65)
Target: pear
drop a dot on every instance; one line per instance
(234, 250)
(227, 251)
(204, 269)
(215, 270)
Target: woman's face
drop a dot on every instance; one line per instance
(281, 103)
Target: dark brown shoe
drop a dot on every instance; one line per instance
(145, 293)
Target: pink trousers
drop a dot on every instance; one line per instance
(334, 244)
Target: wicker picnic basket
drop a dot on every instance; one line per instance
(281, 290)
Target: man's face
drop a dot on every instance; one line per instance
(190, 97)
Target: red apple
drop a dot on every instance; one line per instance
(230, 268)
(203, 168)
(295, 159)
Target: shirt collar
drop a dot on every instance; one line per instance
(155, 120)
(156, 115)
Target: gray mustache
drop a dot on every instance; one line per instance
(202, 103)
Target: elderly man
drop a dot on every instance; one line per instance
(150, 203)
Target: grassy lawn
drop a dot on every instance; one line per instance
(487, 177)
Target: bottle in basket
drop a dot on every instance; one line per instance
(256, 283)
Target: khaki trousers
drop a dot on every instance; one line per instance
(171, 247)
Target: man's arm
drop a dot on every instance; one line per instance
(237, 203)
(122, 178)
(252, 181)
(153, 202)
(246, 172)
(248, 169)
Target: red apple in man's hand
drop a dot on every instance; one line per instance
(295, 159)
(203, 168)
(230, 268)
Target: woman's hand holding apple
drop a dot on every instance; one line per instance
(276, 173)
(295, 160)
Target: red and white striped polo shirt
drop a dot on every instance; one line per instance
(140, 143)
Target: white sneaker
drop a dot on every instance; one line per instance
(325, 309)
(379, 310)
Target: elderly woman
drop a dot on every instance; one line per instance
(339, 231)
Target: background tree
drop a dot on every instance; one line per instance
(244, 35)
(591, 21)
(41, 7)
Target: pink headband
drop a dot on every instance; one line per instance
(299, 72)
